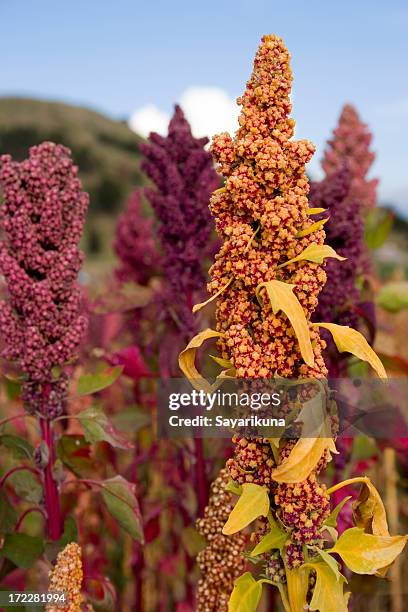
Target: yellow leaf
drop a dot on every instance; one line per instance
(312, 228)
(246, 594)
(351, 341)
(316, 253)
(302, 460)
(254, 502)
(282, 298)
(187, 360)
(369, 512)
(224, 363)
(364, 553)
(328, 595)
(315, 211)
(198, 307)
(297, 581)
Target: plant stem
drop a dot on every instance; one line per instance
(52, 501)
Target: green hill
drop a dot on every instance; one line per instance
(106, 151)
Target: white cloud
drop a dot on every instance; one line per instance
(208, 109)
(148, 119)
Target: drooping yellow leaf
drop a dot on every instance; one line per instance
(369, 512)
(328, 594)
(351, 341)
(282, 298)
(246, 594)
(315, 211)
(224, 363)
(312, 228)
(365, 553)
(187, 359)
(302, 460)
(275, 538)
(316, 253)
(198, 307)
(254, 502)
(297, 581)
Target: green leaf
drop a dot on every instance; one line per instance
(246, 594)
(349, 340)
(233, 487)
(75, 453)
(132, 420)
(70, 534)
(20, 448)
(378, 225)
(13, 388)
(316, 253)
(26, 486)
(193, 542)
(98, 428)
(119, 497)
(276, 538)
(328, 595)
(92, 383)
(8, 516)
(22, 549)
(332, 519)
(282, 297)
(364, 553)
(394, 296)
(254, 502)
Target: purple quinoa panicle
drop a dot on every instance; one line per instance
(134, 243)
(345, 233)
(42, 319)
(183, 176)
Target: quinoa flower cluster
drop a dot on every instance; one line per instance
(134, 243)
(221, 562)
(42, 321)
(351, 142)
(183, 176)
(262, 216)
(345, 233)
(66, 577)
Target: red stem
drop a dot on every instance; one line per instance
(52, 501)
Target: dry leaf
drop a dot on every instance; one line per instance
(282, 298)
(351, 341)
(316, 253)
(312, 228)
(253, 502)
(187, 360)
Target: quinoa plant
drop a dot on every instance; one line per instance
(351, 143)
(43, 322)
(267, 277)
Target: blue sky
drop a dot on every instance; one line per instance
(119, 55)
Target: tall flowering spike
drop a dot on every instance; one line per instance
(259, 215)
(221, 562)
(184, 177)
(134, 243)
(66, 577)
(351, 142)
(345, 233)
(42, 321)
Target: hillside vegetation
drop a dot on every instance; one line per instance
(106, 151)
